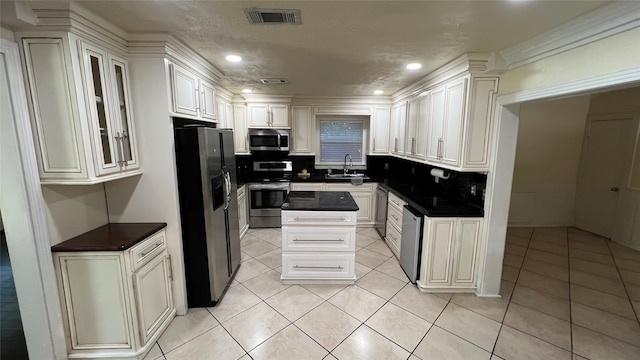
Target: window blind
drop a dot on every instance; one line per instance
(340, 137)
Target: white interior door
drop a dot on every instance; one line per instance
(602, 166)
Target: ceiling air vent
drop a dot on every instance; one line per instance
(273, 16)
(273, 81)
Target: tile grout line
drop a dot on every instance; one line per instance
(515, 283)
(624, 284)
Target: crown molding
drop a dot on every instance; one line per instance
(598, 24)
(474, 63)
(166, 45)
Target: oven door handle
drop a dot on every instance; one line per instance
(269, 187)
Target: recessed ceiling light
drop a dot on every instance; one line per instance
(378, 92)
(247, 91)
(414, 66)
(233, 58)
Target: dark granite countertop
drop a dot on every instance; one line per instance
(110, 237)
(320, 201)
(431, 204)
(315, 178)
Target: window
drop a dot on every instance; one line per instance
(341, 137)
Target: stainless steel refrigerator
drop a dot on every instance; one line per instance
(207, 187)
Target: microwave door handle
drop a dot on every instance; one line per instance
(279, 141)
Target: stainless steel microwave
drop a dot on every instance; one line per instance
(269, 140)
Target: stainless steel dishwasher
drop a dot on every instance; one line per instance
(411, 243)
(381, 211)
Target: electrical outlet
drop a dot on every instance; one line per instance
(413, 170)
(473, 189)
(386, 166)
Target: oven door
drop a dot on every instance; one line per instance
(266, 199)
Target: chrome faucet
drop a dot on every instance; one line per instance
(346, 171)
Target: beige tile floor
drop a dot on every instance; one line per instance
(566, 294)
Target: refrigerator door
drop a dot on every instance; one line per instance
(231, 213)
(411, 242)
(214, 197)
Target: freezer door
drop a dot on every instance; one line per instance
(214, 198)
(233, 224)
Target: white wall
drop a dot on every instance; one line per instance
(547, 161)
(73, 210)
(626, 228)
(603, 57)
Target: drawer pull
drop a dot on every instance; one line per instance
(339, 267)
(394, 217)
(143, 254)
(319, 219)
(312, 240)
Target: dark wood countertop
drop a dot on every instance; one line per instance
(110, 237)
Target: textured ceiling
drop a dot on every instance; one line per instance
(342, 47)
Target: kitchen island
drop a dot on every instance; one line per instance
(318, 237)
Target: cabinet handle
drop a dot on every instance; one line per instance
(197, 100)
(374, 144)
(204, 103)
(440, 145)
(126, 150)
(339, 267)
(143, 254)
(118, 144)
(313, 240)
(395, 145)
(319, 219)
(394, 217)
(413, 146)
(170, 260)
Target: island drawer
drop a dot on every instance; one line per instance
(143, 252)
(394, 216)
(319, 218)
(318, 266)
(318, 239)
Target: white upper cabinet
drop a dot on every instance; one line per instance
(380, 130)
(398, 124)
(416, 138)
(268, 115)
(82, 117)
(192, 96)
(445, 123)
(302, 130)
(224, 114)
(240, 140)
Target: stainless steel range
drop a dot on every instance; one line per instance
(267, 190)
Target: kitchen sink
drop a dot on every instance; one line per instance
(347, 176)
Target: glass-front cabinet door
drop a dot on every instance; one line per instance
(109, 111)
(123, 113)
(99, 111)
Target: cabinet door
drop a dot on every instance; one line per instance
(221, 113)
(258, 115)
(365, 203)
(380, 129)
(424, 106)
(123, 114)
(240, 129)
(398, 123)
(208, 104)
(107, 154)
(478, 123)
(153, 295)
(302, 130)
(279, 115)
(436, 255)
(185, 91)
(452, 131)
(436, 124)
(466, 253)
(412, 127)
(229, 116)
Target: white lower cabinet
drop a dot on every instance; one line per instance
(450, 254)
(318, 247)
(307, 186)
(394, 223)
(242, 210)
(115, 303)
